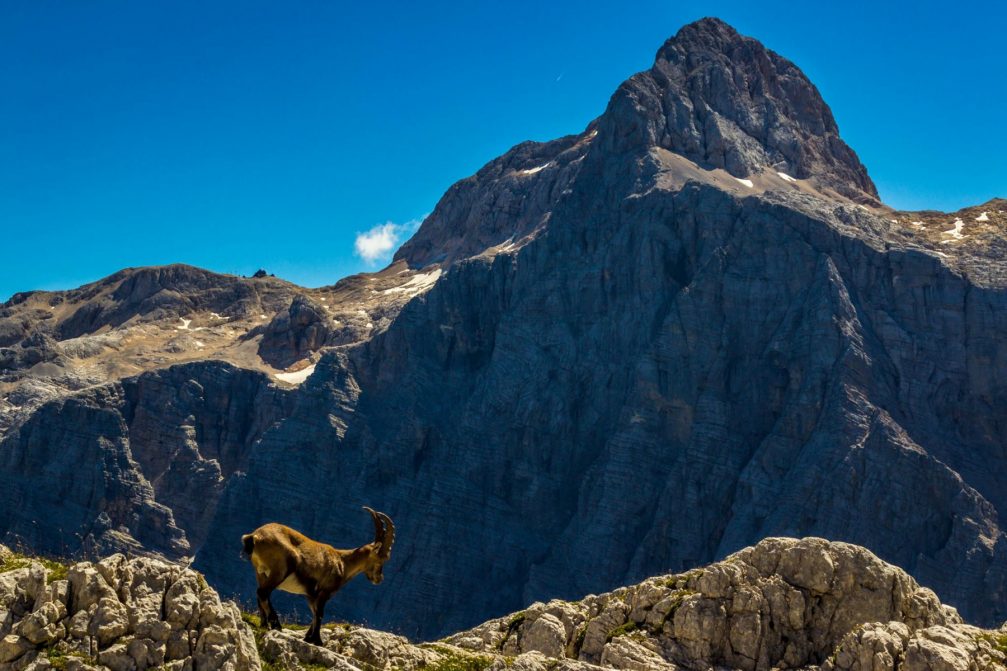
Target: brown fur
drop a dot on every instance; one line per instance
(288, 560)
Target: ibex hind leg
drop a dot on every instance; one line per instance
(268, 617)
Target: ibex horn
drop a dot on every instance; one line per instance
(386, 542)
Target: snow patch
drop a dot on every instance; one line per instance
(532, 171)
(746, 182)
(262, 316)
(983, 217)
(214, 315)
(417, 284)
(508, 245)
(785, 177)
(200, 343)
(592, 134)
(296, 377)
(185, 324)
(956, 232)
(918, 224)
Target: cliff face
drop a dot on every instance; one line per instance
(628, 351)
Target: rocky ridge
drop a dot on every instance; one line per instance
(142, 319)
(680, 331)
(116, 614)
(783, 604)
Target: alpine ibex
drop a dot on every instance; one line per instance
(288, 560)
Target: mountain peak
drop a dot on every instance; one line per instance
(723, 100)
(709, 30)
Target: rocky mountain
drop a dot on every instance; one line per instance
(624, 352)
(782, 604)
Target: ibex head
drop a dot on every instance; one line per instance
(381, 548)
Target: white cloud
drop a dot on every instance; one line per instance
(378, 243)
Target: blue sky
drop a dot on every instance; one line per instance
(239, 135)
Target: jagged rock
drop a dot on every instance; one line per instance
(108, 616)
(892, 647)
(783, 604)
(13, 647)
(295, 334)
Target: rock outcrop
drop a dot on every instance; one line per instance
(631, 350)
(783, 604)
(294, 334)
(117, 615)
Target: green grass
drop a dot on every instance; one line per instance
(623, 630)
(578, 641)
(997, 640)
(60, 659)
(57, 569)
(678, 597)
(679, 581)
(515, 622)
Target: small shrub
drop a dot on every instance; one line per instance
(997, 640)
(578, 640)
(59, 659)
(623, 630)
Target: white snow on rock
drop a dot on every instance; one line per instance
(918, 224)
(746, 182)
(417, 284)
(297, 377)
(214, 315)
(532, 171)
(507, 245)
(983, 217)
(785, 177)
(262, 316)
(956, 232)
(185, 324)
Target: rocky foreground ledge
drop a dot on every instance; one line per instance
(784, 603)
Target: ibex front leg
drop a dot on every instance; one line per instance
(317, 603)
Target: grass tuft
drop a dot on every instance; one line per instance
(57, 570)
(623, 630)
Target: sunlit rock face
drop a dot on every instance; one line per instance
(624, 352)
